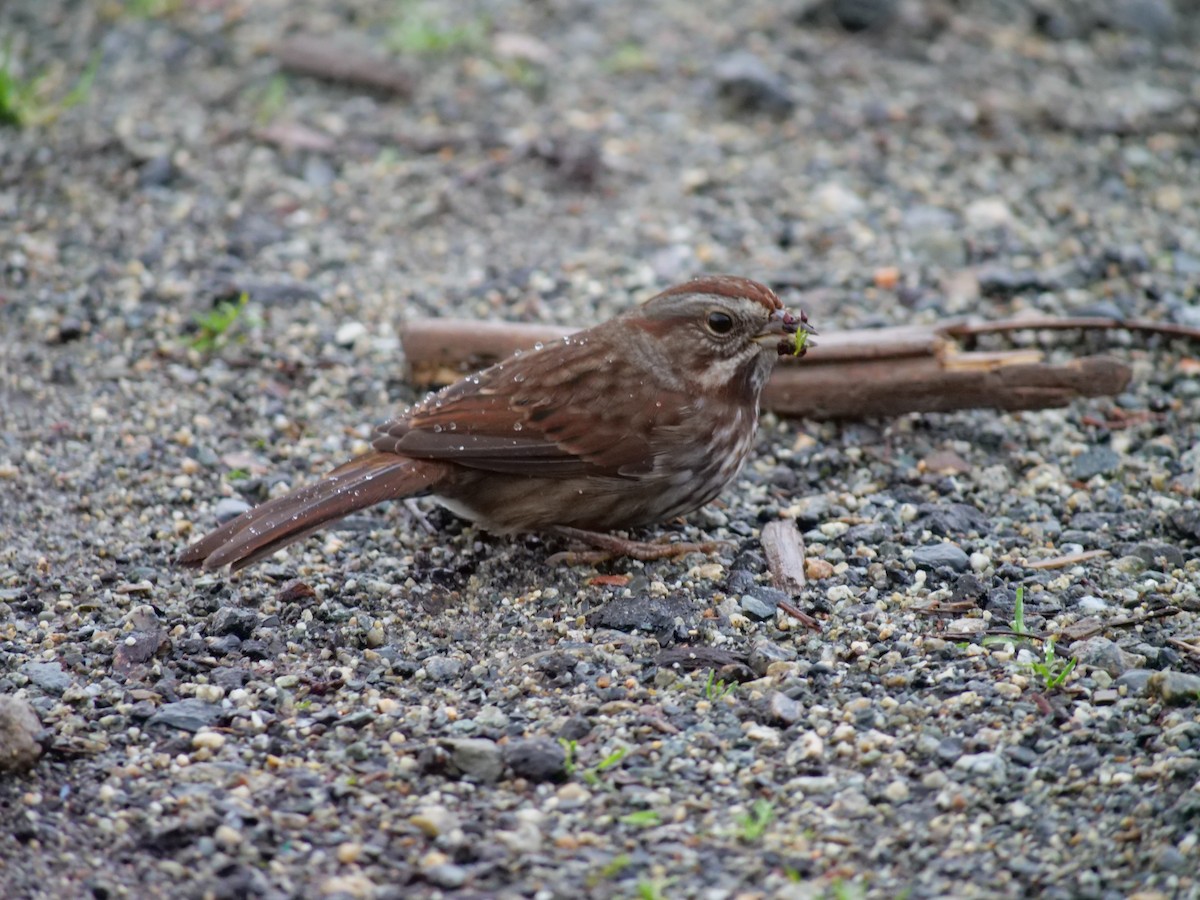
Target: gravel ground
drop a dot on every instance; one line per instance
(390, 711)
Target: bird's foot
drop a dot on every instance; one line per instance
(609, 546)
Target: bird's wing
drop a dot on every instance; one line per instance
(559, 412)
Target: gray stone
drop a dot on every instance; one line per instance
(49, 676)
(1135, 681)
(749, 85)
(934, 556)
(492, 718)
(949, 749)
(537, 759)
(1162, 557)
(1096, 461)
(758, 607)
(1176, 688)
(764, 652)
(442, 668)
(446, 875)
(1101, 653)
(989, 766)
(476, 759)
(233, 620)
(783, 708)
(20, 732)
(229, 508)
(190, 714)
(951, 519)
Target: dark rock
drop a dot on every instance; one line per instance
(157, 172)
(69, 329)
(969, 587)
(1186, 522)
(951, 519)
(782, 708)
(656, 615)
(688, 659)
(1021, 755)
(576, 728)
(442, 668)
(1101, 653)
(1176, 688)
(852, 15)
(358, 719)
(747, 84)
(764, 652)
(537, 759)
(1135, 681)
(872, 534)
(190, 715)
(1155, 19)
(757, 606)
(49, 676)
(999, 282)
(1096, 461)
(446, 875)
(233, 620)
(252, 233)
(138, 647)
(934, 556)
(229, 677)
(1161, 557)
(949, 749)
(1128, 258)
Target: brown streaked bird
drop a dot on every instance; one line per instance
(637, 420)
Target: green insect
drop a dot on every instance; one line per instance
(801, 343)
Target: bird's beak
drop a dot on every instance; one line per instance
(787, 333)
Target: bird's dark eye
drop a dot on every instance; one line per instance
(720, 323)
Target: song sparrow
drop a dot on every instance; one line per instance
(642, 418)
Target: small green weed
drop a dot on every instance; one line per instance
(753, 825)
(590, 775)
(629, 58)
(1052, 669)
(272, 100)
(569, 748)
(23, 101)
(841, 889)
(418, 31)
(151, 9)
(214, 327)
(612, 869)
(1018, 623)
(715, 689)
(643, 818)
(651, 890)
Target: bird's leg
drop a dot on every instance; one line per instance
(609, 546)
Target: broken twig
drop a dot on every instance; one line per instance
(784, 549)
(346, 62)
(851, 374)
(1061, 562)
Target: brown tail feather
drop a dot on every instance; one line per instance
(362, 482)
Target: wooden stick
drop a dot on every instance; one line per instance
(1084, 323)
(784, 549)
(1061, 562)
(348, 62)
(848, 374)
